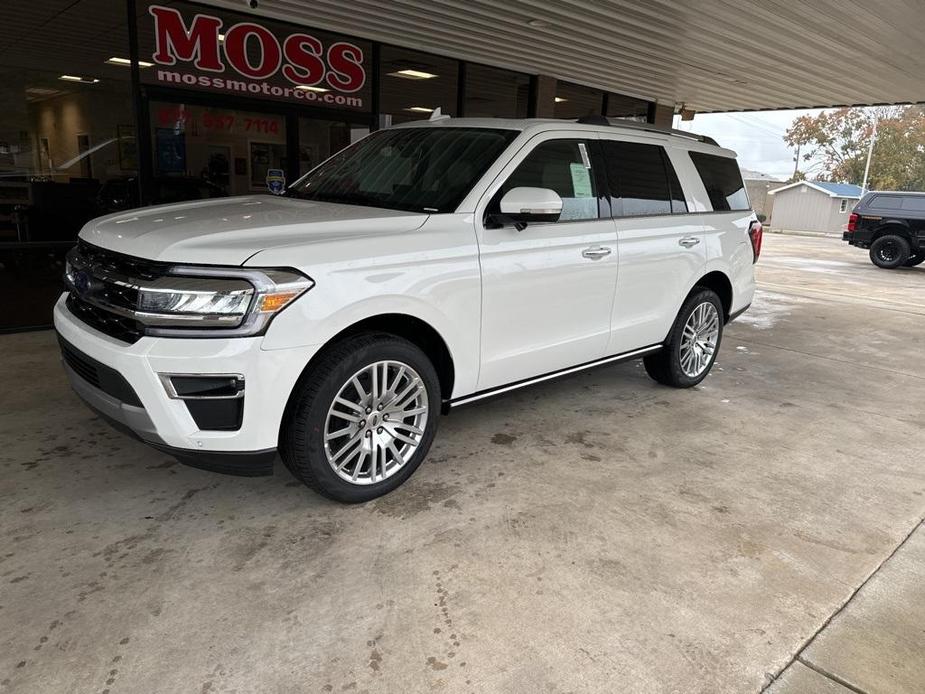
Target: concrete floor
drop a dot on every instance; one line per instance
(596, 534)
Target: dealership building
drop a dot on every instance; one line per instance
(112, 104)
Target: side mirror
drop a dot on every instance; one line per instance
(521, 206)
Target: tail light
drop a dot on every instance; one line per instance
(755, 233)
(852, 222)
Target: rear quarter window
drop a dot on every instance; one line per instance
(884, 202)
(722, 180)
(914, 203)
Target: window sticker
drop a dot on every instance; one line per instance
(585, 159)
(581, 180)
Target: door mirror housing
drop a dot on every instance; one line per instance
(523, 205)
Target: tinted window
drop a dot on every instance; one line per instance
(642, 179)
(884, 202)
(565, 167)
(916, 204)
(721, 178)
(416, 169)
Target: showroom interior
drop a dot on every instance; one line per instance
(83, 133)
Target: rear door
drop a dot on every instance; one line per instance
(661, 244)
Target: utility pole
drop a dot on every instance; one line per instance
(870, 151)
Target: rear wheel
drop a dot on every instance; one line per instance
(889, 252)
(363, 419)
(692, 343)
(916, 260)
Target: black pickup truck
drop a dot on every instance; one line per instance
(892, 226)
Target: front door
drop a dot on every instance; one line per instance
(547, 291)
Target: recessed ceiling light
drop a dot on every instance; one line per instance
(306, 88)
(420, 109)
(75, 78)
(413, 74)
(126, 62)
(538, 23)
(560, 99)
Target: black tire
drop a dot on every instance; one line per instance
(302, 441)
(916, 260)
(665, 366)
(889, 252)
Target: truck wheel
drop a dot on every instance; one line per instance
(692, 344)
(362, 419)
(889, 252)
(916, 260)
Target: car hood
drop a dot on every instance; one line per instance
(228, 231)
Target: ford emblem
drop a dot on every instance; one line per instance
(82, 282)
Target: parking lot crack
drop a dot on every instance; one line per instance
(806, 644)
(832, 676)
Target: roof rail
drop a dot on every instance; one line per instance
(648, 127)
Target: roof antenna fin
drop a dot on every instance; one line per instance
(437, 114)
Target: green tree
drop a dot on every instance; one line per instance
(834, 145)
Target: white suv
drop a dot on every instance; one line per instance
(424, 267)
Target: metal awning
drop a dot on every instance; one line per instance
(710, 55)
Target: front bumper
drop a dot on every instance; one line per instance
(147, 412)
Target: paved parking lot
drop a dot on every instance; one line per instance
(596, 534)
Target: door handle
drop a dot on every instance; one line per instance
(596, 253)
(689, 241)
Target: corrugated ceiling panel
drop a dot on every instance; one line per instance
(712, 55)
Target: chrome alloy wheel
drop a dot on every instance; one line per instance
(698, 342)
(376, 422)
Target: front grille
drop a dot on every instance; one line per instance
(104, 260)
(98, 375)
(108, 281)
(124, 329)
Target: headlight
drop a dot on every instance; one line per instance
(209, 301)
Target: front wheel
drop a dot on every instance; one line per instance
(363, 419)
(692, 344)
(889, 252)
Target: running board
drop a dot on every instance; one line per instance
(500, 390)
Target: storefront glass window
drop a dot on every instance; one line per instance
(207, 152)
(495, 93)
(66, 130)
(627, 107)
(319, 139)
(575, 101)
(414, 84)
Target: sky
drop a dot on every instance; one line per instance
(756, 136)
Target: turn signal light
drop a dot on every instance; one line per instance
(271, 303)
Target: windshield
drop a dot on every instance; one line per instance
(415, 169)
